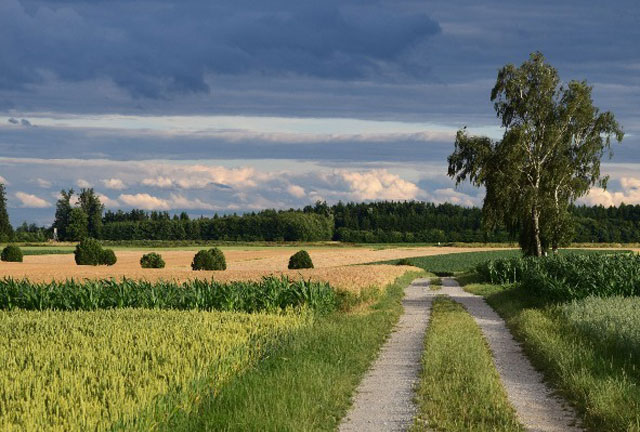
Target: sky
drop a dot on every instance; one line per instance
(233, 106)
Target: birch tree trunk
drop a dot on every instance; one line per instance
(535, 215)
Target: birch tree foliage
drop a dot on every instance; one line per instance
(549, 156)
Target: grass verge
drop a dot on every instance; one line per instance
(307, 385)
(459, 387)
(599, 378)
(435, 283)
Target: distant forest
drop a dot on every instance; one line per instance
(376, 222)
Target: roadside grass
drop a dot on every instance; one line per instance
(595, 373)
(435, 283)
(307, 385)
(460, 389)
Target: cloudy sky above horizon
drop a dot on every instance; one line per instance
(242, 105)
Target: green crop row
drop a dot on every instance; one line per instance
(128, 369)
(271, 294)
(459, 262)
(567, 277)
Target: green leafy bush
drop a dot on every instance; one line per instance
(88, 252)
(203, 260)
(271, 294)
(152, 260)
(300, 260)
(11, 253)
(108, 257)
(404, 262)
(219, 261)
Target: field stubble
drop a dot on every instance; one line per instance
(336, 266)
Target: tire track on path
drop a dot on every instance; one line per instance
(384, 399)
(537, 407)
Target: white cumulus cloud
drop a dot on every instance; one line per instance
(43, 183)
(114, 183)
(453, 196)
(108, 202)
(630, 194)
(144, 201)
(378, 184)
(296, 191)
(161, 182)
(31, 201)
(180, 202)
(82, 183)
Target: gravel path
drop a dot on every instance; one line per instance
(384, 399)
(537, 407)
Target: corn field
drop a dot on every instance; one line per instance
(131, 368)
(567, 277)
(271, 294)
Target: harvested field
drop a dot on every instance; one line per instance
(334, 265)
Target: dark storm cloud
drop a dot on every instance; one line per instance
(159, 48)
(431, 62)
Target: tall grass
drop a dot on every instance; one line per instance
(81, 371)
(613, 321)
(271, 294)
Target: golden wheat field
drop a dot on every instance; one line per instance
(334, 265)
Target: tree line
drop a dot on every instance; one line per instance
(82, 215)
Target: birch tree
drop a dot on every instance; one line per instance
(549, 156)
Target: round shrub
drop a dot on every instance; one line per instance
(300, 260)
(152, 260)
(11, 254)
(89, 252)
(219, 262)
(108, 257)
(203, 260)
